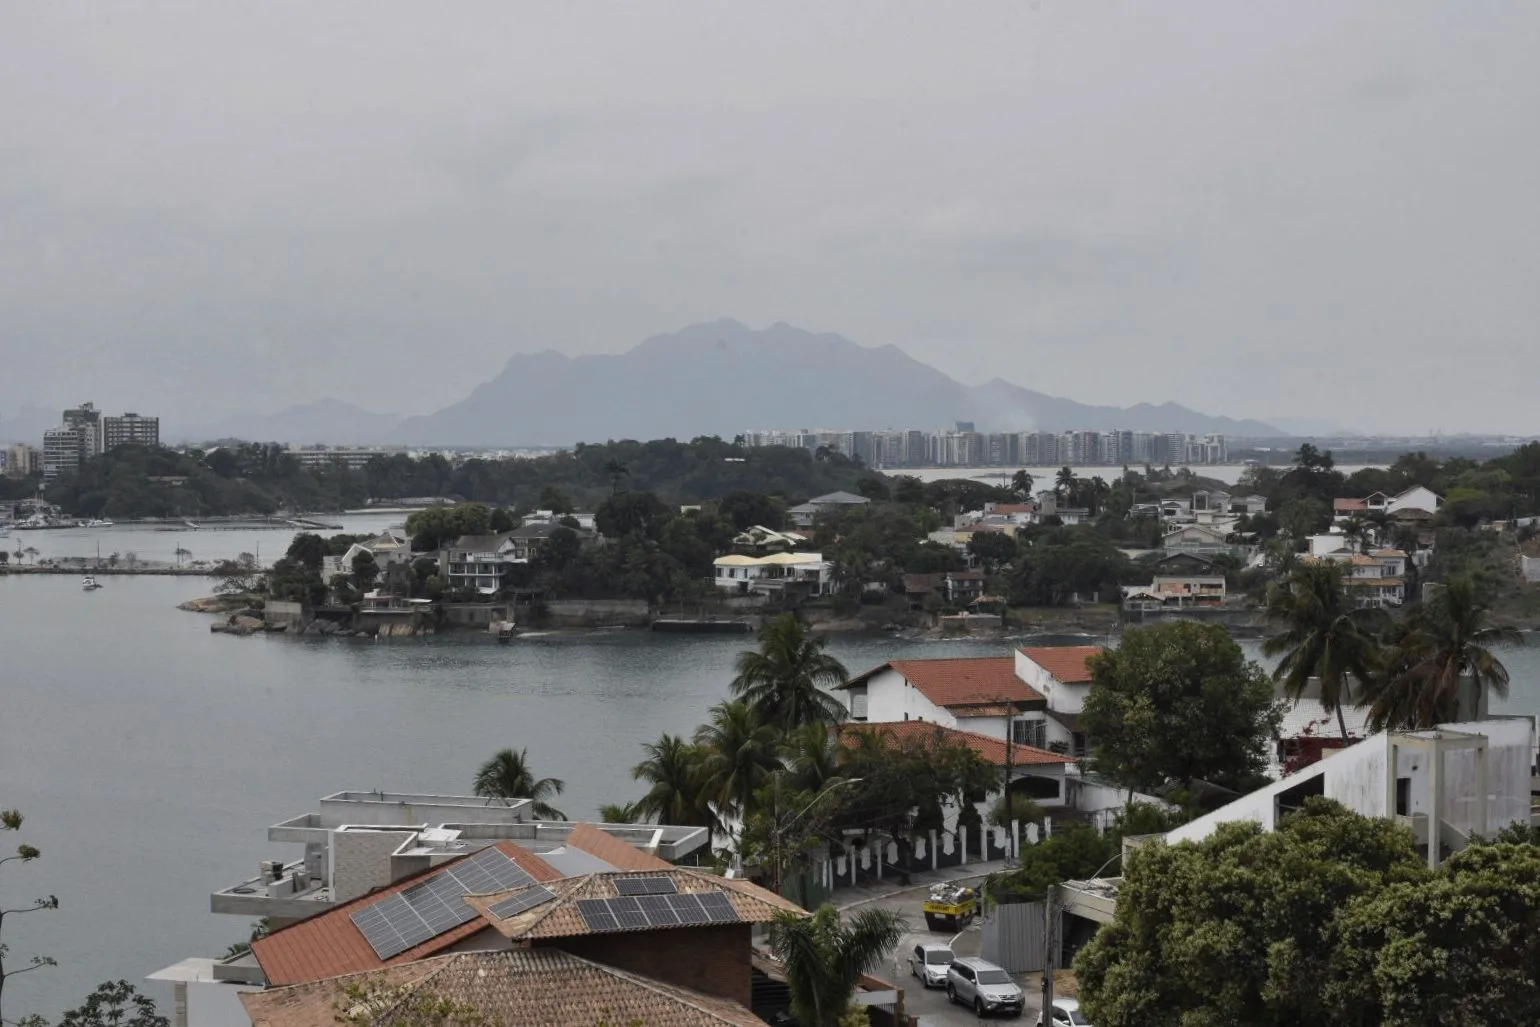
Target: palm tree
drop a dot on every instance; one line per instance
(673, 770)
(738, 754)
(622, 813)
(1356, 531)
(1021, 484)
(824, 958)
(1444, 655)
(1322, 636)
(813, 754)
(1064, 483)
(782, 680)
(507, 776)
(616, 470)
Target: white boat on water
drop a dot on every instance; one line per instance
(89, 583)
(100, 523)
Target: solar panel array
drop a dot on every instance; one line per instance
(634, 912)
(525, 900)
(645, 886)
(426, 910)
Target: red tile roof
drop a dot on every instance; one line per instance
(519, 988)
(1067, 663)
(1346, 505)
(971, 681)
(618, 854)
(897, 733)
(329, 944)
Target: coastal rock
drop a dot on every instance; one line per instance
(246, 622)
(214, 604)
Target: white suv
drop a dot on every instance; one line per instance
(984, 986)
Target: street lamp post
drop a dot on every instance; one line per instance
(780, 829)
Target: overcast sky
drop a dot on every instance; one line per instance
(1323, 210)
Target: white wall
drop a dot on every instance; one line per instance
(1356, 777)
(890, 697)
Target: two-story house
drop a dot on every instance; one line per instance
(475, 563)
(804, 514)
(1376, 578)
(1062, 676)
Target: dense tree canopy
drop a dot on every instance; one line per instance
(1179, 702)
(1332, 918)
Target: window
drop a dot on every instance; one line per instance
(857, 705)
(1403, 796)
(1078, 744)
(1030, 732)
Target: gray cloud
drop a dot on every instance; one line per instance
(1267, 209)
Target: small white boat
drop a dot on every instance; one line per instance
(89, 583)
(101, 523)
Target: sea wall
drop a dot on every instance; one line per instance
(597, 613)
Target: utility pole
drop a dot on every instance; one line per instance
(1050, 953)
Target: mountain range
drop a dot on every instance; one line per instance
(716, 378)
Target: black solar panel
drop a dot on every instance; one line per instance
(719, 908)
(596, 914)
(523, 901)
(689, 909)
(645, 886)
(426, 910)
(657, 910)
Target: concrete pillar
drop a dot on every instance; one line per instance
(1482, 825)
(852, 865)
(962, 838)
(1392, 759)
(1016, 840)
(1435, 801)
(933, 850)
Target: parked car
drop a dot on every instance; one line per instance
(930, 962)
(984, 986)
(1066, 1013)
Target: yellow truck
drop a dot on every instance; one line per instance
(950, 907)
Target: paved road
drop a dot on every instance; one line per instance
(931, 1005)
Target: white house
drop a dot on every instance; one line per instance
(1062, 676)
(1038, 773)
(737, 574)
(387, 548)
(1377, 578)
(476, 562)
(980, 694)
(1416, 502)
(1449, 784)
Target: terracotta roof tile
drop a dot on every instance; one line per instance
(617, 853)
(897, 733)
(971, 681)
(1346, 505)
(519, 988)
(558, 917)
(1067, 663)
(329, 944)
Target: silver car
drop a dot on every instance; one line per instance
(984, 986)
(1066, 1013)
(930, 962)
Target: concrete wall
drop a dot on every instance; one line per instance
(1530, 567)
(474, 615)
(598, 613)
(277, 611)
(1357, 777)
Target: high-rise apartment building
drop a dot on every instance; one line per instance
(87, 420)
(129, 429)
(62, 448)
(22, 460)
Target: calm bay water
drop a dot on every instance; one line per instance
(150, 755)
